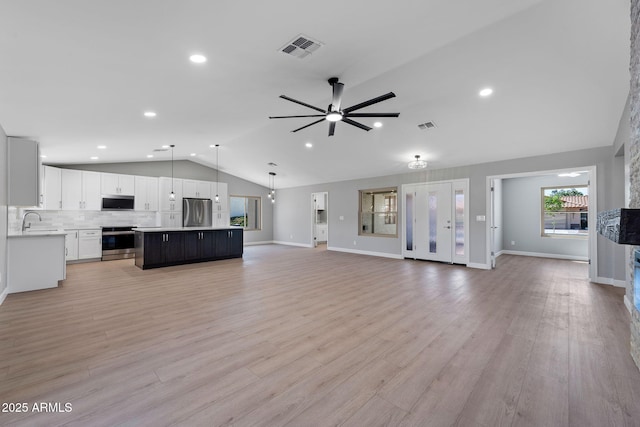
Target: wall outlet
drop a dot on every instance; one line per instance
(341, 218)
(513, 243)
(354, 243)
(291, 236)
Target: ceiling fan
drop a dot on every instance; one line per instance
(335, 114)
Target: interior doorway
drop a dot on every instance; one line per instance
(319, 220)
(547, 214)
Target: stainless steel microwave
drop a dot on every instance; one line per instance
(117, 203)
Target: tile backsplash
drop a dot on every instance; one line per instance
(81, 219)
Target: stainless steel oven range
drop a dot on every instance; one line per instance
(117, 243)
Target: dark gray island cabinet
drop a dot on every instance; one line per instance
(162, 247)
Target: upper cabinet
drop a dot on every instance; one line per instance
(23, 172)
(197, 189)
(80, 190)
(52, 188)
(165, 187)
(113, 183)
(146, 198)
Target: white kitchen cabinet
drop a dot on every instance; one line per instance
(23, 172)
(35, 261)
(320, 201)
(117, 184)
(321, 232)
(197, 189)
(164, 189)
(171, 219)
(146, 198)
(80, 190)
(71, 245)
(220, 219)
(89, 244)
(52, 188)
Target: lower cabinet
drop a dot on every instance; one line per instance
(83, 244)
(160, 249)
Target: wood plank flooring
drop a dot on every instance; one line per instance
(307, 337)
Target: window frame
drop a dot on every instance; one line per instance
(259, 215)
(391, 217)
(581, 236)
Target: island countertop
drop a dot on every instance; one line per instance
(166, 229)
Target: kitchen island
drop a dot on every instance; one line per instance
(164, 246)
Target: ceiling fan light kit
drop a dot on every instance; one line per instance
(335, 113)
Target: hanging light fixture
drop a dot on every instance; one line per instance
(217, 169)
(417, 163)
(272, 185)
(172, 195)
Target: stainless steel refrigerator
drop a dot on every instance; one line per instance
(196, 212)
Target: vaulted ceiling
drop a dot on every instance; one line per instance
(75, 74)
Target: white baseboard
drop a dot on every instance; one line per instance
(479, 265)
(499, 253)
(301, 245)
(545, 255)
(370, 253)
(3, 295)
(609, 281)
(266, 242)
(619, 283)
(627, 303)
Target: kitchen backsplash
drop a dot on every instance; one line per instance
(81, 219)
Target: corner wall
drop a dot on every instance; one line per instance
(3, 214)
(634, 161)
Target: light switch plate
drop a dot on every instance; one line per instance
(481, 218)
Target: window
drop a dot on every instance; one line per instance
(565, 211)
(245, 212)
(378, 215)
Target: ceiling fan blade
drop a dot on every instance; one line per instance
(310, 124)
(302, 103)
(289, 117)
(370, 102)
(338, 88)
(332, 128)
(356, 124)
(372, 115)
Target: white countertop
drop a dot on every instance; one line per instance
(37, 233)
(163, 229)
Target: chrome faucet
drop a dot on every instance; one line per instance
(24, 217)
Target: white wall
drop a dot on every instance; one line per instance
(521, 208)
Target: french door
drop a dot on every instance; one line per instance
(436, 218)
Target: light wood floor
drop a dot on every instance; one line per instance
(304, 337)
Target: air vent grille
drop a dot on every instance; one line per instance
(301, 46)
(427, 125)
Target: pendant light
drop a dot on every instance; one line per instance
(417, 163)
(217, 169)
(272, 185)
(172, 195)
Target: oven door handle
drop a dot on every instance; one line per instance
(117, 233)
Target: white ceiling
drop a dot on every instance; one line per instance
(75, 74)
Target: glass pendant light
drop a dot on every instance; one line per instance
(272, 185)
(217, 169)
(417, 163)
(172, 195)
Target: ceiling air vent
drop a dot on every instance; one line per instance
(301, 46)
(427, 125)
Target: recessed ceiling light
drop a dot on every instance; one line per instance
(212, 146)
(102, 147)
(308, 145)
(43, 156)
(377, 124)
(149, 156)
(93, 158)
(150, 114)
(486, 91)
(198, 59)
(192, 154)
